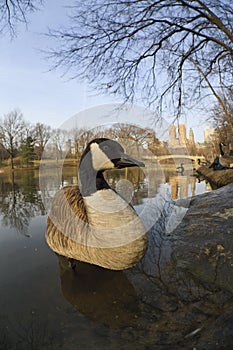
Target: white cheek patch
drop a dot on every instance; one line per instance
(99, 159)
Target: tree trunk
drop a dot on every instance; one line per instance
(12, 162)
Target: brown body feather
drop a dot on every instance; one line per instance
(226, 161)
(68, 219)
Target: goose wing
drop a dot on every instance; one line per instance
(67, 221)
(68, 199)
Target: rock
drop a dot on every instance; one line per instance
(199, 279)
(204, 246)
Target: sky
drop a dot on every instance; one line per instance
(44, 95)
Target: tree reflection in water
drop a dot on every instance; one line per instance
(20, 200)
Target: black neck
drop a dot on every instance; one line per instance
(91, 180)
(221, 150)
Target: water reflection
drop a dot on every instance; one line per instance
(182, 186)
(22, 191)
(104, 296)
(149, 184)
(20, 200)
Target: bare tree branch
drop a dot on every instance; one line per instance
(144, 50)
(13, 12)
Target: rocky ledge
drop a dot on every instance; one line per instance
(206, 235)
(203, 258)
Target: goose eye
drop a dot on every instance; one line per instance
(105, 148)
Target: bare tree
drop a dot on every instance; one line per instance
(15, 11)
(41, 135)
(223, 120)
(11, 130)
(161, 52)
(59, 140)
(81, 137)
(135, 138)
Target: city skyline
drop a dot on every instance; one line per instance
(178, 134)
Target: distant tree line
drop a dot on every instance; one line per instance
(21, 142)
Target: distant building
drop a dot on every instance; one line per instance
(177, 140)
(182, 134)
(208, 132)
(191, 137)
(172, 133)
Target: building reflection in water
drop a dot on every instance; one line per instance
(185, 186)
(180, 186)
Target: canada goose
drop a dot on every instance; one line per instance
(91, 222)
(203, 162)
(180, 169)
(225, 160)
(216, 165)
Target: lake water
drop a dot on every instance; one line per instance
(46, 305)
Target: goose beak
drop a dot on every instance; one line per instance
(127, 161)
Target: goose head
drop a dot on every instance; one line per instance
(102, 154)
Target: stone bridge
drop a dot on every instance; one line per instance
(175, 156)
